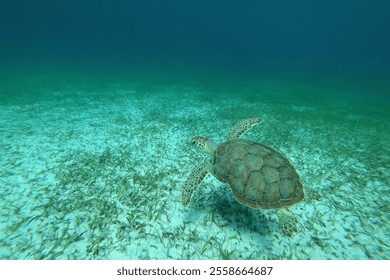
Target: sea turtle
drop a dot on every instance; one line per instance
(259, 176)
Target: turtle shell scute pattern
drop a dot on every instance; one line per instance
(260, 177)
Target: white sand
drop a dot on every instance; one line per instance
(86, 177)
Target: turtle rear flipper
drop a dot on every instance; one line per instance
(243, 126)
(312, 195)
(287, 220)
(197, 176)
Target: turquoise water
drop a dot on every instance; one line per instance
(93, 166)
(99, 101)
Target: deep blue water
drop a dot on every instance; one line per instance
(304, 38)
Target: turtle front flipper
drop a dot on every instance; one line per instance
(193, 182)
(287, 220)
(243, 126)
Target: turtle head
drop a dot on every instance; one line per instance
(204, 144)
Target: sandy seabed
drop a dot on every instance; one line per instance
(99, 175)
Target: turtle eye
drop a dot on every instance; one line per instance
(193, 142)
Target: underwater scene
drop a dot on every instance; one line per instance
(100, 104)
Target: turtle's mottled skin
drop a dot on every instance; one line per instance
(259, 176)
